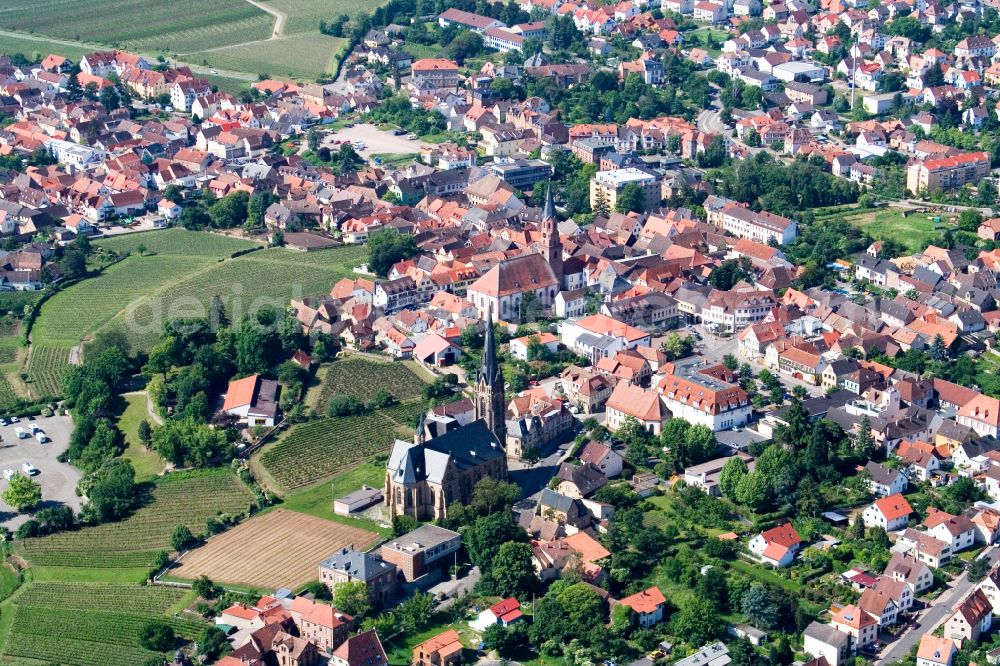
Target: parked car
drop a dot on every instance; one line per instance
(15, 419)
(9, 474)
(29, 469)
(41, 437)
(21, 433)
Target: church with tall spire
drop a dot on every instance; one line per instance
(551, 244)
(426, 476)
(490, 404)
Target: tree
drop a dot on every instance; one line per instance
(864, 443)
(512, 572)
(415, 612)
(111, 491)
(182, 538)
(386, 247)
(714, 587)
(185, 442)
(352, 598)
(157, 635)
(484, 537)
(732, 473)
(492, 496)
(205, 588)
(229, 211)
(697, 621)
(754, 491)
(344, 405)
(212, 643)
(22, 493)
(631, 199)
(759, 608)
(978, 569)
(601, 207)
(938, 350)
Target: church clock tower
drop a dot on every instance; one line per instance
(551, 245)
(490, 403)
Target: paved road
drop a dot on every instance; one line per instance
(710, 121)
(533, 478)
(933, 616)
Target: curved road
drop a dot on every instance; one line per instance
(279, 17)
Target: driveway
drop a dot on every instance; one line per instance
(377, 142)
(58, 480)
(937, 613)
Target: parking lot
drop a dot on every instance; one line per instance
(377, 142)
(58, 480)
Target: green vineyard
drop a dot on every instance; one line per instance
(134, 542)
(325, 446)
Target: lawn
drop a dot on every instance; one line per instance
(188, 498)
(141, 293)
(915, 231)
(141, 25)
(317, 500)
(147, 464)
(764, 575)
(106, 621)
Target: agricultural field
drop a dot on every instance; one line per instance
(304, 15)
(46, 367)
(139, 294)
(304, 56)
(320, 448)
(362, 378)
(31, 45)
(182, 498)
(141, 25)
(176, 241)
(105, 618)
(80, 310)
(278, 549)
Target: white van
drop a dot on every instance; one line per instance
(41, 437)
(35, 428)
(21, 433)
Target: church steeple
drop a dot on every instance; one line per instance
(551, 243)
(490, 404)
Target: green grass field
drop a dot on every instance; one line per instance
(147, 464)
(317, 500)
(81, 624)
(915, 231)
(184, 498)
(141, 293)
(141, 25)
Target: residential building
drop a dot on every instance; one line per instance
(890, 513)
(609, 185)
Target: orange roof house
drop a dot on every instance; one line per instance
(444, 649)
(648, 605)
